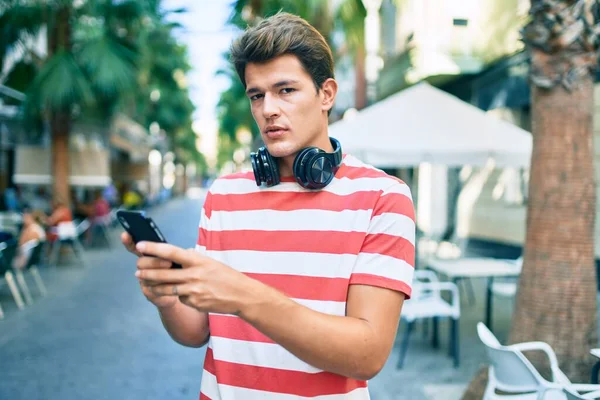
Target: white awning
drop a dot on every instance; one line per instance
(87, 167)
(425, 124)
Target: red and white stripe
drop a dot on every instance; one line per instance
(310, 245)
(212, 390)
(246, 381)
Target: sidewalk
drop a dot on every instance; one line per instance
(96, 337)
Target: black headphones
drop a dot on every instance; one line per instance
(313, 167)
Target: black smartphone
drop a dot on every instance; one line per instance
(141, 228)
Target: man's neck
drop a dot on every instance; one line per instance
(286, 164)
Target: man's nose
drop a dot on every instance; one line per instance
(270, 106)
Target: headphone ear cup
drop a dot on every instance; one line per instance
(271, 169)
(301, 165)
(264, 167)
(259, 175)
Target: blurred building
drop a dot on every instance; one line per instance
(471, 49)
(101, 153)
(9, 131)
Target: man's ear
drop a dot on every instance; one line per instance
(329, 89)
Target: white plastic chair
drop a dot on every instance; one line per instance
(512, 373)
(7, 253)
(427, 302)
(69, 233)
(33, 251)
(103, 225)
(573, 395)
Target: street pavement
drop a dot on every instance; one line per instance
(96, 337)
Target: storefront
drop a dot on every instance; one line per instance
(88, 168)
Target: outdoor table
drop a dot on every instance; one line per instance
(596, 367)
(476, 267)
(10, 222)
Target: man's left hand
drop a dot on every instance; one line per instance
(202, 283)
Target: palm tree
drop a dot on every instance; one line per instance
(556, 301)
(91, 59)
(351, 16)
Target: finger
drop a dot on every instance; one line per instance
(149, 284)
(174, 289)
(158, 276)
(169, 252)
(153, 262)
(126, 239)
(150, 291)
(128, 243)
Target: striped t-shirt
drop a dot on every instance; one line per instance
(310, 245)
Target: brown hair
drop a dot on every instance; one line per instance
(281, 34)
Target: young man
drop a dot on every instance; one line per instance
(297, 291)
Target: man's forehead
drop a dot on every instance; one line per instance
(278, 70)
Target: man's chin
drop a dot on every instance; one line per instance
(281, 150)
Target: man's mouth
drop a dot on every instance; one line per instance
(275, 132)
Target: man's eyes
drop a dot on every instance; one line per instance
(260, 95)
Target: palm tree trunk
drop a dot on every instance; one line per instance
(60, 121)
(60, 125)
(556, 302)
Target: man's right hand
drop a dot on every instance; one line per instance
(162, 302)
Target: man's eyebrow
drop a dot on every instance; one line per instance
(279, 84)
(252, 91)
(284, 83)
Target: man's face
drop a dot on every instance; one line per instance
(289, 111)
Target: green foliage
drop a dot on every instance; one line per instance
(113, 55)
(109, 64)
(163, 65)
(18, 21)
(61, 83)
(350, 16)
(233, 108)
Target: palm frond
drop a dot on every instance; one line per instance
(19, 77)
(60, 84)
(351, 16)
(18, 22)
(110, 65)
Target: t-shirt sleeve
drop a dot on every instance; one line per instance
(387, 256)
(203, 225)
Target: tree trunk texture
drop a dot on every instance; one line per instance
(556, 300)
(477, 385)
(60, 120)
(60, 125)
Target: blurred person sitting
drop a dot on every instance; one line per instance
(132, 199)
(110, 193)
(99, 216)
(60, 213)
(101, 206)
(32, 230)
